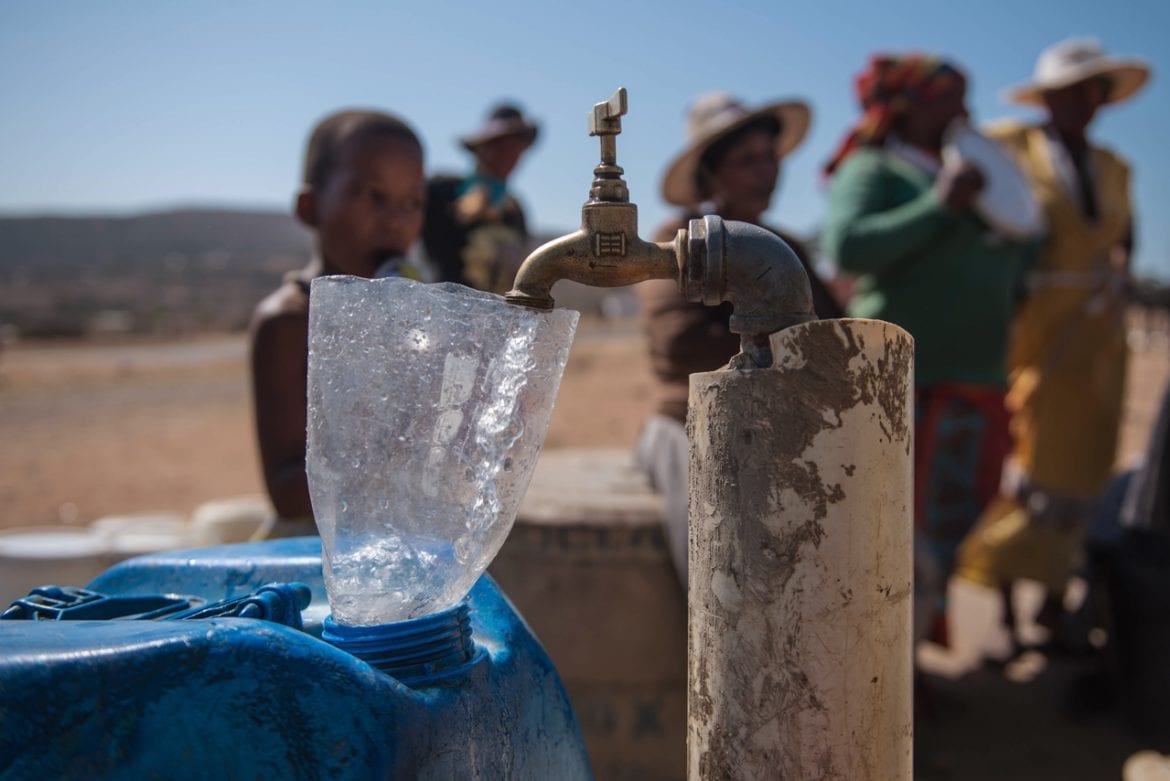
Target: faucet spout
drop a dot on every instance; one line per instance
(605, 252)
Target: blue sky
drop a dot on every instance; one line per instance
(127, 106)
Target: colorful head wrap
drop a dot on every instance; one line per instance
(887, 89)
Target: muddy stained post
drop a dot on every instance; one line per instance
(800, 589)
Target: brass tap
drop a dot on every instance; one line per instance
(712, 260)
(606, 251)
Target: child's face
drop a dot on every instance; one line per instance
(371, 206)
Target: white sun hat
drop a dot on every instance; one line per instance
(1079, 59)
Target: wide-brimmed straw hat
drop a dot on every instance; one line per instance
(715, 115)
(1075, 60)
(504, 120)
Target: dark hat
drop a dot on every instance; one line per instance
(504, 120)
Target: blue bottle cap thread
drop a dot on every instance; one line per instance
(408, 650)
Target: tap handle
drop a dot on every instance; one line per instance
(605, 122)
(606, 118)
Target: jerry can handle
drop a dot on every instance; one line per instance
(280, 603)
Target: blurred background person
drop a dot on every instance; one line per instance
(902, 222)
(730, 168)
(475, 231)
(1068, 356)
(362, 197)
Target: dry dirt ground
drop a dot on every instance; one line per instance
(90, 429)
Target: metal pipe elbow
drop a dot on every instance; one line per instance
(751, 267)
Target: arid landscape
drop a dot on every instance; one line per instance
(95, 429)
(90, 429)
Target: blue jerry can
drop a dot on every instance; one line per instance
(237, 697)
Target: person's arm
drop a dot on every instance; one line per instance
(1121, 256)
(862, 233)
(280, 352)
(1030, 255)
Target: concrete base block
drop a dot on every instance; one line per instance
(587, 566)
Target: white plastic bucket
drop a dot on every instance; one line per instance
(49, 555)
(225, 521)
(135, 535)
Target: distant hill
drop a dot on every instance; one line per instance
(194, 270)
(172, 272)
(168, 272)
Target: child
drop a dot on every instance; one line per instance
(363, 197)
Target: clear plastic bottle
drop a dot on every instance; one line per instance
(428, 406)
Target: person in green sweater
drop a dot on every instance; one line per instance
(902, 222)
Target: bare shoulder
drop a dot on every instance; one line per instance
(280, 325)
(287, 302)
(1105, 156)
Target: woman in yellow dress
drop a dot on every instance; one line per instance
(1068, 357)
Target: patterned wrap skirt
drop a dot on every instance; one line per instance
(960, 442)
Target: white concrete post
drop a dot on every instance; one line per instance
(801, 560)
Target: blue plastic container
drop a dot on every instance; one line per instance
(229, 698)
